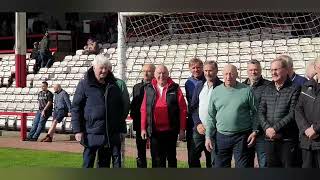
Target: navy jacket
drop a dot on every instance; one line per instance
(194, 107)
(97, 111)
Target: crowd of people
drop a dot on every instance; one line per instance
(276, 121)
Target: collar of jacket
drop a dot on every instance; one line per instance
(169, 82)
(217, 81)
(256, 84)
(311, 83)
(92, 81)
(287, 83)
(202, 78)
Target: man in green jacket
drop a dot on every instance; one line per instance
(231, 124)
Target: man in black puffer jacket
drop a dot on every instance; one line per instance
(308, 121)
(276, 114)
(97, 115)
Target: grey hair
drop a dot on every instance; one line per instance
(101, 59)
(288, 59)
(254, 61)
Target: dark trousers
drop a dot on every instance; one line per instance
(311, 158)
(104, 156)
(141, 149)
(235, 144)
(260, 150)
(38, 125)
(163, 148)
(190, 145)
(282, 154)
(199, 147)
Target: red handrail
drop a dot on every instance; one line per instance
(23, 118)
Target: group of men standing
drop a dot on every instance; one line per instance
(224, 119)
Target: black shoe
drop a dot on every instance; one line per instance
(33, 139)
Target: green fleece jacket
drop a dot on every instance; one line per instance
(231, 110)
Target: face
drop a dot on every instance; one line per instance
(311, 71)
(196, 70)
(56, 88)
(317, 68)
(230, 75)
(148, 72)
(44, 87)
(254, 72)
(210, 72)
(279, 74)
(100, 71)
(161, 75)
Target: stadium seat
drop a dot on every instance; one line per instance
(244, 51)
(294, 49)
(315, 41)
(281, 49)
(307, 48)
(304, 41)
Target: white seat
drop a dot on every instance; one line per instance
(222, 59)
(234, 59)
(223, 51)
(294, 49)
(256, 50)
(281, 49)
(292, 42)
(307, 48)
(11, 107)
(234, 45)
(27, 98)
(18, 98)
(315, 41)
(309, 56)
(21, 107)
(244, 51)
(267, 43)
(304, 41)
(245, 44)
(258, 57)
(280, 42)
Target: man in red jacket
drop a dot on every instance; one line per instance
(163, 117)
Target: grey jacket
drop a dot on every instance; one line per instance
(62, 101)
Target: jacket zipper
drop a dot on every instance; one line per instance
(107, 130)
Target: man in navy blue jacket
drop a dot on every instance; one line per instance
(97, 115)
(199, 111)
(196, 68)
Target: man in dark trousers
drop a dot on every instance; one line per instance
(258, 84)
(199, 110)
(196, 69)
(98, 115)
(276, 114)
(138, 92)
(45, 99)
(308, 120)
(62, 108)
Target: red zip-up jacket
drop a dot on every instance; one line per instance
(160, 111)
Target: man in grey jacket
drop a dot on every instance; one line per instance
(62, 108)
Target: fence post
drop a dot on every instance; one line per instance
(23, 126)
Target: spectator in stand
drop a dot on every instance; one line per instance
(199, 110)
(276, 113)
(92, 47)
(98, 115)
(258, 84)
(45, 54)
(295, 78)
(35, 54)
(231, 123)
(196, 69)
(307, 115)
(45, 99)
(163, 117)
(137, 94)
(62, 108)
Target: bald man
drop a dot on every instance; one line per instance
(231, 123)
(62, 108)
(163, 117)
(137, 97)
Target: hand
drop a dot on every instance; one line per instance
(182, 135)
(201, 129)
(42, 114)
(79, 136)
(69, 114)
(208, 144)
(252, 139)
(310, 133)
(270, 132)
(144, 134)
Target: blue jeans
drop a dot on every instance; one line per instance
(37, 126)
(260, 150)
(235, 144)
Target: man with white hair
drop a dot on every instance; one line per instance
(62, 108)
(295, 78)
(231, 123)
(307, 115)
(98, 115)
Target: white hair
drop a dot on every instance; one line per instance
(101, 59)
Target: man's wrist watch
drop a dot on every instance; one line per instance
(256, 131)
